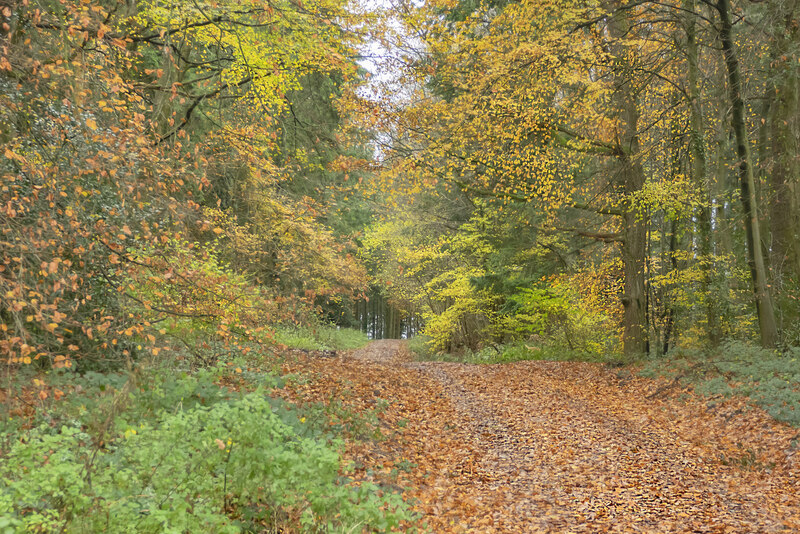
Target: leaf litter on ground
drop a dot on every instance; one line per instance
(543, 446)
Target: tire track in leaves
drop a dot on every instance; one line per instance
(566, 447)
(572, 451)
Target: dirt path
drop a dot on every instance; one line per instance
(570, 447)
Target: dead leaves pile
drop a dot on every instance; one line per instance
(559, 447)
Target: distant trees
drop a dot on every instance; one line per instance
(617, 124)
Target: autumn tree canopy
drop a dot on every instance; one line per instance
(203, 201)
(604, 174)
(159, 158)
(637, 143)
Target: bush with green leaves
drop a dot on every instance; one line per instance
(203, 461)
(556, 317)
(771, 379)
(419, 347)
(320, 337)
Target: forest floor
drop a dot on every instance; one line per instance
(543, 446)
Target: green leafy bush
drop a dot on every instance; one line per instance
(521, 351)
(182, 456)
(338, 338)
(557, 317)
(420, 347)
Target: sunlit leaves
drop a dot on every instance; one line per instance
(254, 50)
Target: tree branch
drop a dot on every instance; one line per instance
(196, 102)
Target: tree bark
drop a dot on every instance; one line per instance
(699, 171)
(784, 156)
(766, 314)
(630, 177)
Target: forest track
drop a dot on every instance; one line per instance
(569, 447)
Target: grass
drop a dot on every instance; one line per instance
(322, 337)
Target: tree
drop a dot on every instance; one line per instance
(116, 122)
(600, 118)
(763, 299)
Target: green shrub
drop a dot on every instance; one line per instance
(419, 347)
(511, 352)
(557, 317)
(171, 451)
(337, 338)
(521, 351)
(297, 337)
(715, 386)
(181, 473)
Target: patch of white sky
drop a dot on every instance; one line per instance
(385, 54)
(388, 48)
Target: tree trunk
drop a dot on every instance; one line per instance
(747, 186)
(699, 174)
(784, 131)
(630, 176)
(669, 321)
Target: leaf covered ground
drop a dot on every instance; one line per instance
(558, 446)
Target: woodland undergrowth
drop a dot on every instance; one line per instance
(769, 379)
(175, 444)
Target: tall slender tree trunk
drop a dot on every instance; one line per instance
(630, 177)
(784, 156)
(697, 149)
(723, 218)
(747, 185)
(669, 319)
(364, 311)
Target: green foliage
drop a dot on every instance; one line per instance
(109, 156)
(521, 351)
(512, 352)
(555, 316)
(320, 337)
(179, 453)
(193, 295)
(771, 379)
(341, 338)
(455, 272)
(419, 345)
(278, 244)
(463, 316)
